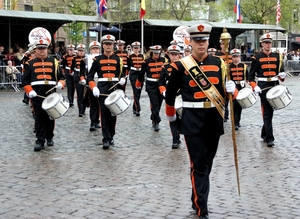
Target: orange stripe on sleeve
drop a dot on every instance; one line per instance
(170, 110)
(28, 88)
(92, 84)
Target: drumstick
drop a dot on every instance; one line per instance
(104, 95)
(40, 96)
(266, 88)
(50, 90)
(116, 84)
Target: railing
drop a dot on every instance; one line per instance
(6, 80)
(292, 67)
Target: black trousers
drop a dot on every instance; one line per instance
(70, 86)
(202, 150)
(136, 97)
(237, 109)
(175, 127)
(44, 124)
(267, 112)
(80, 96)
(108, 121)
(94, 107)
(155, 104)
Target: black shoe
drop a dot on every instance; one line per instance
(239, 125)
(105, 145)
(71, 104)
(50, 143)
(137, 114)
(264, 139)
(270, 144)
(111, 142)
(39, 147)
(92, 128)
(25, 101)
(97, 126)
(134, 112)
(236, 127)
(80, 115)
(226, 119)
(175, 145)
(156, 127)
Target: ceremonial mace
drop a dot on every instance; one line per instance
(225, 37)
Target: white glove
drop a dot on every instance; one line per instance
(164, 94)
(171, 118)
(230, 86)
(282, 75)
(83, 82)
(96, 92)
(32, 94)
(122, 81)
(138, 87)
(257, 89)
(59, 85)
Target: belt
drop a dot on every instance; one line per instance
(125, 66)
(136, 69)
(239, 82)
(77, 69)
(204, 104)
(67, 68)
(153, 79)
(108, 79)
(268, 79)
(43, 82)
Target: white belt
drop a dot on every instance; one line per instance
(268, 79)
(125, 66)
(43, 82)
(204, 104)
(67, 68)
(76, 69)
(136, 69)
(239, 82)
(108, 79)
(153, 79)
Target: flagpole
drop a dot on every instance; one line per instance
(142, 35)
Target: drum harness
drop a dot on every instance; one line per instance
(204, 83)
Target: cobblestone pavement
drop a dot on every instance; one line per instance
(141, 176)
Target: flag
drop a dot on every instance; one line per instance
(278, 12)
(142, 9)
(101, 7)
(237, 10)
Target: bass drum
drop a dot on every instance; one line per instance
(246, 97)
(279, 97)
(117, 102)
(55, 105)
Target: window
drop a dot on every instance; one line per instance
(134, 6)
(159, 5)
(28, 7)
(7, 4)
(44, 9)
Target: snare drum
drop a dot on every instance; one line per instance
(178, 105)
(246, 97)
(279, 97)
(55, 105)
(117, 102)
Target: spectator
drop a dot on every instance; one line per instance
(12, 71)
(296, 56)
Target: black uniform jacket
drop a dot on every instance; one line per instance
(108, 68)
(197, 120)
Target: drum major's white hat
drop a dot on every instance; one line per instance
(199, 31)
(41, 43)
